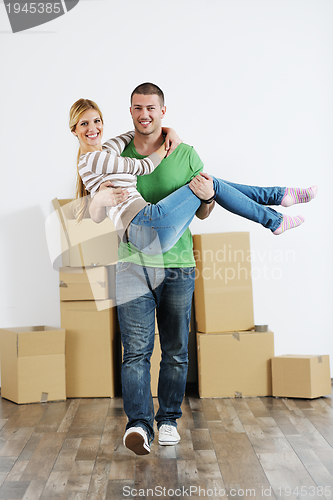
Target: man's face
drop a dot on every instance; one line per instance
(147, 113)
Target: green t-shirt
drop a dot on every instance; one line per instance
(172, 173)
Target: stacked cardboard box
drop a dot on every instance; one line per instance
(87, 305)
(233, 359)
(33, 364)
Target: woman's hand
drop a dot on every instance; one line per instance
(171, 140)
(107, 196)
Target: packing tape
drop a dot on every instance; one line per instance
(320, 359)
(261, 328)
(44, 397)
(102, 283)
(62, 284)
(236, 335)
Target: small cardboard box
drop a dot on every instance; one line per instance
(235, 364)
(301, 376)
(91, 283)
(223, 287)
(90, 348)
(33, 364)
(85, 244)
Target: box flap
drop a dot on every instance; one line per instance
(38, 343)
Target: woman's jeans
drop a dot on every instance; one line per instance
(156, 228)
(141, 290)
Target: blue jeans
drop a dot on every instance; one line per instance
(156, 228)
(169, 291)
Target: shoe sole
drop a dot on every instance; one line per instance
(168, 443)
(135, 442)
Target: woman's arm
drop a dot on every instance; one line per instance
(119, 143)
(171, 140)
(95, 166)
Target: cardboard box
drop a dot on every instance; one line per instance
(235, 364)
(87, 243)
(155, 366)
(223, 287)
(301, 376)
(90, 348)
(76, 283)
(33, 364)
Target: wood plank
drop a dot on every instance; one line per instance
(285, 471)
(89, 419)
(34, 490)
(201, 439)
(67, 455)
(44, 457)
(69, 416)
(99, 480)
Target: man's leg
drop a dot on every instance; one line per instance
(173, 316)
(136, 313)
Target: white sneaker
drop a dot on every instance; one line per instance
(136, 440)
(168, 435)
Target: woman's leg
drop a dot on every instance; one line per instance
(276, 195)
(156, 228)
(238, 200)
(262, 195)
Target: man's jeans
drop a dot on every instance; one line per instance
(139, 291)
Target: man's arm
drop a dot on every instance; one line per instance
(107, 196)
(202, 187)
(204, 210)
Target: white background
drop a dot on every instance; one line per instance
(248, 83)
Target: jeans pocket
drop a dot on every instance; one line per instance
(187, 271)
(123, 266)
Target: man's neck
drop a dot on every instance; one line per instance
(147, 144)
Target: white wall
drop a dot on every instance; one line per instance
(248, 83)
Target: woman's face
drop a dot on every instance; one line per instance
(89, 131)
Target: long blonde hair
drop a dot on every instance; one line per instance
(76, 111)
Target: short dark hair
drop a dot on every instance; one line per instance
(148, 89)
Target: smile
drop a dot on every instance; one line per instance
(92, 136)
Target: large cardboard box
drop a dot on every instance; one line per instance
(33, 364)
(86, 243)
(301, 376)
(76, 283)
(91, 347)
(235, 364)
(223, 287)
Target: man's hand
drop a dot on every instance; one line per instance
(202, 187)
(107, 196)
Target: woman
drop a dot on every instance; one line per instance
(156, 228)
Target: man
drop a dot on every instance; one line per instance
(163, 283)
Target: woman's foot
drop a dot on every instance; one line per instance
(292, 196)
(288, 222)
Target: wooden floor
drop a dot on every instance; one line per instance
(244, 448)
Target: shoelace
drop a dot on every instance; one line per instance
(167, 429)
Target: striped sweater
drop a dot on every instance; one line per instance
(107, 165)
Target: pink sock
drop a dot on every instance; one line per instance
(288, 222)
(292, 196)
